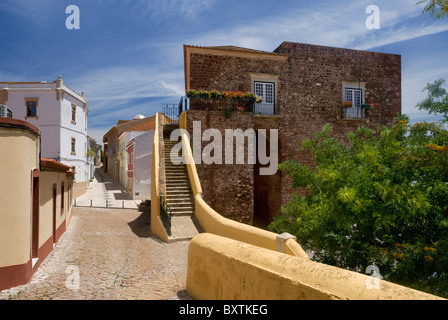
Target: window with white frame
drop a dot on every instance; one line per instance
(266, 90)
(353, 92)
(354, 96)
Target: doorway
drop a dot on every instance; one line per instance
(55, 194)
(35, 214)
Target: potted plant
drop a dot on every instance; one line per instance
(204, 94)
(368, 106)
(192, 93)
(215, 94)
(347, 104)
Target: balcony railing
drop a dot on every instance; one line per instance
(354, 113)
(172, 111)
(220, 104)
(264, 108)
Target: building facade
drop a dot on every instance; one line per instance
(35, 197)
(127, 155)
(303, 88)
(61, 115)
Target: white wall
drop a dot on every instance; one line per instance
(77, 130)
(142, 165)
(54, 118)
(48, 112)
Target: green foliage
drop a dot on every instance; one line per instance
(437, 100)
(380, 200)
(436, 8)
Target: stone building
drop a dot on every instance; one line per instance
(303, 87)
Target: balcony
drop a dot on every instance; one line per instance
(221, 104)
(228, 100)
(354, 113)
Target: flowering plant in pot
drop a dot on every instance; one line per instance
(347, 104)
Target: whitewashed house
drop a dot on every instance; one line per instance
(61, 115)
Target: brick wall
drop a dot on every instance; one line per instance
(227, 188)
(309, 95)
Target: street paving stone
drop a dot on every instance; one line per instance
(108, 254)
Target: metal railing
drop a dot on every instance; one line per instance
(354, 113)
(173, 111)
(220, 104)
(105, 203)
(5, 112)
(264, 108)
(165, 215)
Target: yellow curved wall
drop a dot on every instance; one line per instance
(220, 268)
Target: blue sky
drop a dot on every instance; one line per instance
(127, 55)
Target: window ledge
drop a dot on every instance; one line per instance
(30, 117)
(263, 115)
(355, 119)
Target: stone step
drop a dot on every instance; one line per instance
(184, 228)
(177, 185)
(176, 174)
(171, 183)
(178, 192)
(177, 181)
(177, 178)
(179, 196)
(175, 169)
(176, 200)
(178, 203)
(184, 210)
(177, 213)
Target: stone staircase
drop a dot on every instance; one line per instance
(179, 196)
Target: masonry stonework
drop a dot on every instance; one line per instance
(221, 182)
(309, 82)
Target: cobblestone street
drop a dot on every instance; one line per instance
(108, 254)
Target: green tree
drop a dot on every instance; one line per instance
(380, 200)
(437, 100)
(436, 8)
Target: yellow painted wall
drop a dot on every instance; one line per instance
(156, 224)
(47, 179)
(222, 268)
(18, 158)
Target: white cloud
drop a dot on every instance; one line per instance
(118, 85)
(162, 10)
(339, 24)
(402, 33)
